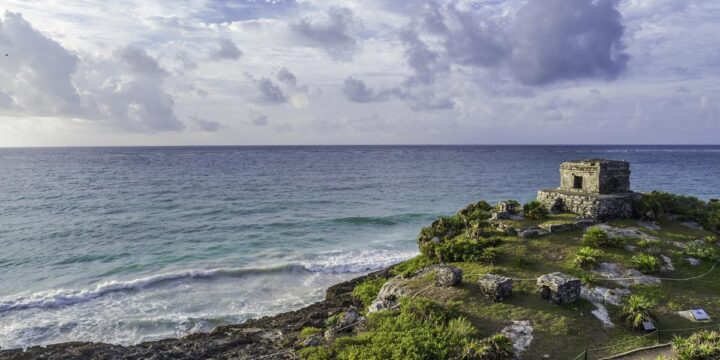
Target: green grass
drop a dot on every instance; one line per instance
(563, 332)
(564, 218)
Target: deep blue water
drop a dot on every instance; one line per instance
(129, 244)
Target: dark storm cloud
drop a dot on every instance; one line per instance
(563, 40)
(270, 92)
(226, 50)
(424, 62)
(332, 33)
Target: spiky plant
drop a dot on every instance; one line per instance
(636, 310)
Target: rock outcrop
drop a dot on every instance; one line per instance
(559, 288)
(495, 287)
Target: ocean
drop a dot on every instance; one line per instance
(123, 245)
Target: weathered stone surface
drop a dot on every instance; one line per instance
(595, 176)
(531, 233)
(575, 225)
(559, 288)
(447, 276)
(625, 277)
(521, 335)
(495, 287)
(590, 205)
(508, 207)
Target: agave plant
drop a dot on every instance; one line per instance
(636, 310)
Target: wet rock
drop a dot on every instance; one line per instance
(447, 276)
(495, 287)
(559, 288)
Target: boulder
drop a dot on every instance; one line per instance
(447, 276)
(559, 288)
(495, 287)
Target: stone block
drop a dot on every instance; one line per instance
(447, 276)
(495, 287)
(559, 288)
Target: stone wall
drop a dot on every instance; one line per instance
(598, 176)
(588, 205)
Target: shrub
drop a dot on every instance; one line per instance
(647, 264)
(462, 248)
(646, 244)
(657, 204)
(589, 279)
(367, 290)
(334, 319)
(705, 249)
(496, 347)
(309, 331)
(410, 267)
(636, 310)
(587, 257)
(595, 237)
(703, 345)
(314, 353)
(535, 210)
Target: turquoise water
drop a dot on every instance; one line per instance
(123, 245)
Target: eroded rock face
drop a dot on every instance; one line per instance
(388, 295)
(559, 288)
(447, 276)
(600, 296)
(531, 233)
(625, 277)
(495, 287)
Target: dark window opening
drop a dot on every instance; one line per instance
(577, 182)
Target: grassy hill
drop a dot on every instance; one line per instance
(472, 242)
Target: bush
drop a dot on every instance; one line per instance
(636, 310)
(707, 248)
(647, 264)
(658, 204)
(646, 244)
(535, 210)
(309, 331)
(410, 267)
(587, 257)
(422, 329)
(462, 248)
(595, 237)
(703, 345)
(367, 290)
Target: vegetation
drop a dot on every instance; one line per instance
(422, 329)
(535, 210)
(657, 205)
(708, 248)
(646, 263)
(309, 331)
(410, 267)
(587, 257)
(596, 237)
(648, 244)
(636, 310)
(368, 290)
(463, 248)
(704, 345)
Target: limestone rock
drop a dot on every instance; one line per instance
(559, 288)
(521, 335)
(447, 276)
(626, 277)
(495, 287)
(531, 233)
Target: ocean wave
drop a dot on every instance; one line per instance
(328, 263)
(384, 220)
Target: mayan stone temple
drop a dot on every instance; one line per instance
(595, 188)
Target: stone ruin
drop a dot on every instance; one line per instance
(447, 276)
(559, 288)
(595, 189)
(507, 210)
(495, 287)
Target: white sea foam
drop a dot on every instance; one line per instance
(328, 263)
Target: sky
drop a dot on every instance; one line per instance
(297, 72)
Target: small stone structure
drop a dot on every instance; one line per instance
(495, 287)
(559, 288)
(506, 210)
(595, 188)
(447, 276)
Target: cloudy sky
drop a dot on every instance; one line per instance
(185, 72)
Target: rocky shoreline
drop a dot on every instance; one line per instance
(269, 337)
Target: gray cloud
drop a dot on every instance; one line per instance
(429, 101)
(331, 33)
(203, 124)
(270, 92)
(6, 100)
(227, 50)
(258, 119)
(472, 39)
(37, 71)
(562, 40)
(287, 77)
(357, 91)
(139, 61)
(424, 62)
